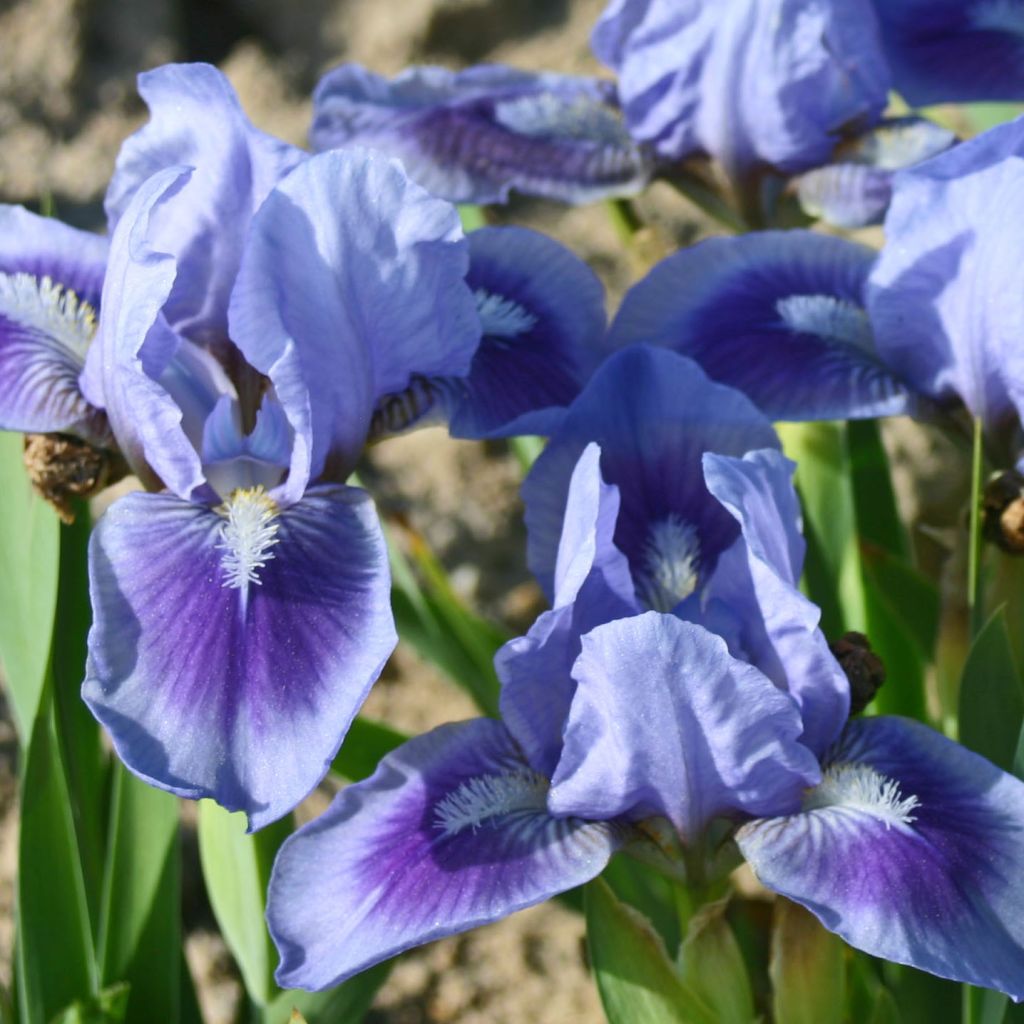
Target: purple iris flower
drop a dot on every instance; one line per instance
(777, 314)
(51, 276)
(954, 51)
(944, 296)
(904, 843)
(472, 136)
(854, 189)
(747, 82)
(257, 306)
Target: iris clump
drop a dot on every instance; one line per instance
(704, 685)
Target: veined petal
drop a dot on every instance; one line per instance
(954, 51)
(231, 648)
(352, 283)
(135, 347)
(666, 722)
(50, 281)
(472, 136)
(653, 413)
(943, 296)
(912, 849)
(542, 315)
(778, 625)
(449, 833)
(197, 121)
(777, 314)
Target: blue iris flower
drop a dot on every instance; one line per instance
(620, 723)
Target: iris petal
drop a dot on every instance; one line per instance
(779, 626)
(449, 833)
(473, 135)
(910, 850)
(778, 315)
(653, 414)
(197, 121)
(229, 661)
(352, 284)
(666, 722)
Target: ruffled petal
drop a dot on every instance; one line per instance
(473, 135)
(351, 284)
(778, 625)
(230, 649)
(653, 413)
(778, 315)
(943, 296)
(911, 849)
(747, 82)
(954, 51)
(449, 833)
(666, 722)
(197, 121)
(135, 347)
(543, 320)
(50, 281)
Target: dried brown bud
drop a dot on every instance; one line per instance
(864, 669)
(1003, 512)
(64, 469)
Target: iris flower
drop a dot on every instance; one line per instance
(472, 136)
(747, 82)
(256, 306)
(899, 840)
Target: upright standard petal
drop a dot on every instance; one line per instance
(778, 626)
(449, 833)
(748, 81)
(197, 121)
(232, 647)
(135, 347)
(653, 413)
(911, 849)
(472, 136)
(944, 296)
(666, 722)
(954, 51)
(352, 283)
(777, 314)
(51, 276)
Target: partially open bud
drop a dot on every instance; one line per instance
(864, 669)
(1003, 512)
(64, 469)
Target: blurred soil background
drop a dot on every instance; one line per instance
(67, 100)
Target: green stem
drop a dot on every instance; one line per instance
(974, 598)
(625, 219)
(708, 200)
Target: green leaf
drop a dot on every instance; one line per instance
(348, 1002)
(884, 1010)
(832, 575)
(88, 766)
(922, 998)
(365, 744)
(983, 1005)
(636, 979)
(29, 552)
(878, 519)
(712, 965)
(236, 867)
(991, 695)
(107, 1008)
(648, 892)
(56, 957)
(140, 922)
(807, 969)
